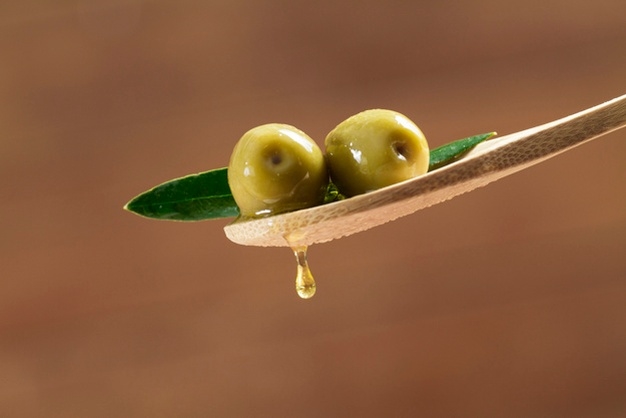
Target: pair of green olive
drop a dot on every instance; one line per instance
(277, 168)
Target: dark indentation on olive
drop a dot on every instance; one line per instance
(275, 158)
(402, 149)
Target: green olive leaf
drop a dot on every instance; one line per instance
(206, 195)
(191, 198)
(332, 194)
(449, 153)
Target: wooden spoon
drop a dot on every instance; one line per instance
(487, 162)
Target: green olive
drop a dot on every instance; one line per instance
(276, 168)
(374, 149)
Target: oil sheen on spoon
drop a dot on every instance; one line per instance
(305, 283)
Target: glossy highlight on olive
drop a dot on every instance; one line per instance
(374, 149)
(276, 168)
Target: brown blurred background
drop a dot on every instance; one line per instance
(509, 301)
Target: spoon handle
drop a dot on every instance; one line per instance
(531, 146)
(489, 161)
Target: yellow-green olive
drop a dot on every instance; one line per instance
(374, 149)
(276, 168)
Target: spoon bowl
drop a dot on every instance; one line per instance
(487, 162)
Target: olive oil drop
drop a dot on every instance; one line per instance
(305, 283)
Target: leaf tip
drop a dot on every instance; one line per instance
(130, 207)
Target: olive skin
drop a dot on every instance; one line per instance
(374, 149)
(276, 168)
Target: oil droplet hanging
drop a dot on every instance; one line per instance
(305, 283)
